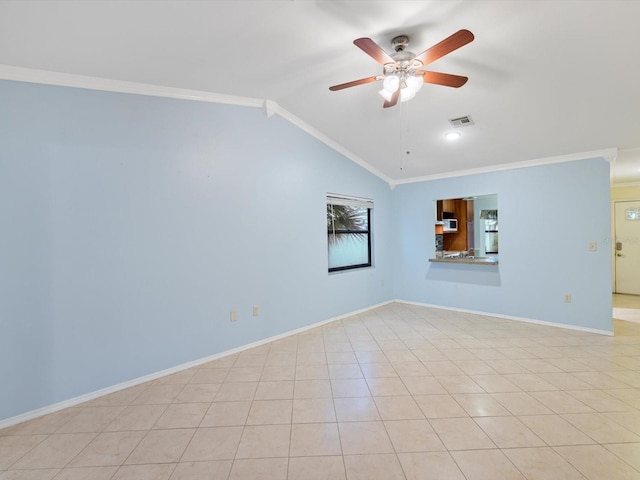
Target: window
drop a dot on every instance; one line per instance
(348, 232)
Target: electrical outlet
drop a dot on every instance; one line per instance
(256, 310)
(567, 298)
(234, 315)
(593, 246)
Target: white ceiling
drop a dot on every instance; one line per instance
(546, 78)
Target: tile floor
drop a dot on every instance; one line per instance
(401, 392)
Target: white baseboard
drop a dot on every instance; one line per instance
(511, 317)
(8, 422)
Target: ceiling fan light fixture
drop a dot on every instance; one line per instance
(386, 94)
(391, 83)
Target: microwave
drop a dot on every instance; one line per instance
(449, 225)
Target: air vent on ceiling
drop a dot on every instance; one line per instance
(461, 121)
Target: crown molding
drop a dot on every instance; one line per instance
(608, 154)
(301, 124)
(46, 77)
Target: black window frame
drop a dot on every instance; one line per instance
(362, 203)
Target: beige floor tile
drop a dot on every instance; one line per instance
(178, 378)
(360, 409)
(461, 434)
(442, 368)
(387, 386)
(121, 398)
(262, 441)
(244, 374)
(259, 469)
(555, 430)
(601, 428)
(312, 389)
(486, 465)
(210, 375)
(431, 465)
(363, 438)
(158, 394)
(236, 392)
(198, 393)
(595, 462)
(40, 474)
(46, 424)
(250, 360)
(55, 451)
(12, 448)
(542, 464)
(509, 432)
(423, 385)
(182, 415)
(413, 436)
(439, 406)
(110, 448)
(308, 439)
(480, 405)
(216, 470)
(411, 369)
(161, 446)
(350, 387)
(312, 372)
(530, 382)
(316, 468)
(475, 367)
(505, 365)
(601, 401)
(313, 410)
(521, 403)
(629, 452)
(279, 390)
(215, 443)
(561, 402)
(373, 467)
(225, 414)
(495, 384)
(459, 384)
(345, 371)
(311, 358)
(565, 381)
(278, 373)
(137, 417)
(280, 359)
(378, 370)
(144, 472)
(270, 412)
(629, 420)
(91, 419)
(342, 357)
(398, 408)
(84, 473)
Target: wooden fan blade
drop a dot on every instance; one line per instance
(355, 83)
(394, 99)
(448, 45)
(372, 49)
(446, 79)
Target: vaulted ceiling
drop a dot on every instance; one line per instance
(546, 78)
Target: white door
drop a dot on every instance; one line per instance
(627, 247)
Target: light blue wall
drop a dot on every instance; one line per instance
(131, 226)
(548, 215)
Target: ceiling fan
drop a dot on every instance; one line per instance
(404, 72)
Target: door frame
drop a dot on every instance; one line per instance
(613, 240)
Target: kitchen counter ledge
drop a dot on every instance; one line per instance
(467, 260)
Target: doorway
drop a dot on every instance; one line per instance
(627, 247)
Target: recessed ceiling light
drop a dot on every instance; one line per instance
(452, 136)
